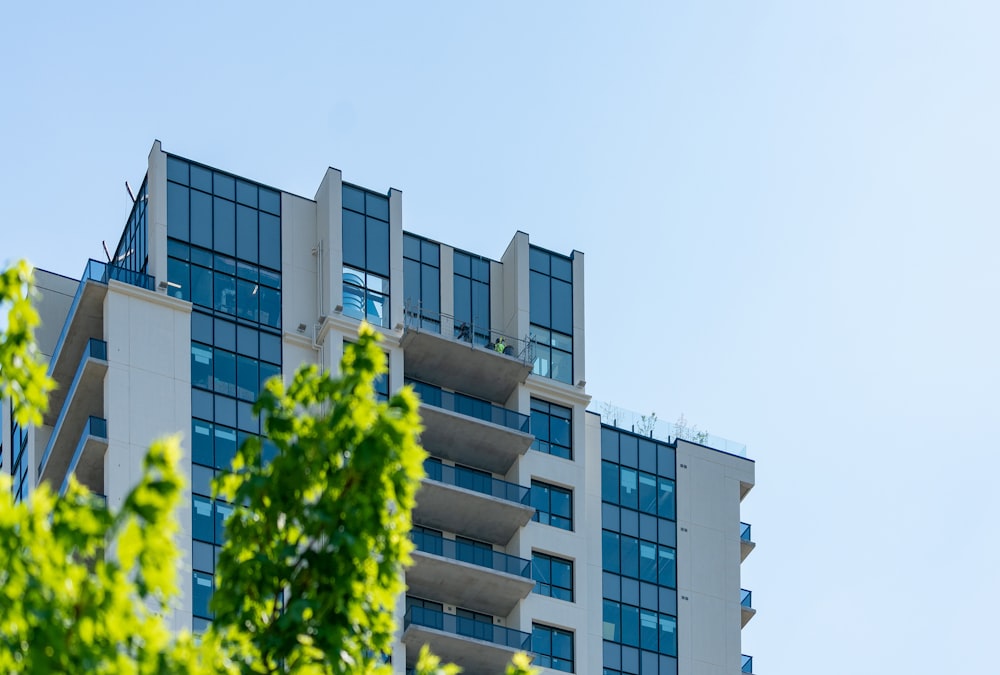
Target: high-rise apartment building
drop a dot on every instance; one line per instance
(599, 541)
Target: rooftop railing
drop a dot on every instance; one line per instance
(746, 598)
(520, 348)
(653, 427)
(460, 625)
(99, 272)
(472, 407)
(477, 482)
(474, 555)
(745, 532)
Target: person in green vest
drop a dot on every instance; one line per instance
(499, 345)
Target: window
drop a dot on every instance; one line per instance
(552, 426)
(422, 282)
(553, 505)
(475, 552)
(553, 647)
(472, 298)
(639, 559)
(474, 624)
(366, 255)
(551, 296)
(553, 576)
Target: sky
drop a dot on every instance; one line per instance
(788, 212)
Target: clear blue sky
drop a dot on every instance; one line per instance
(789, 211)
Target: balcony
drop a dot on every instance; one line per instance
(747, 664)
(461, 574)
(478, 647)
(81, 400)
(88, 459)
(85, 320)
(464, 359)
(746, 606)
(746, 543)
(468, 503)
(471, 431)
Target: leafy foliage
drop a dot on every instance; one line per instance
(311, 570)
(23, 376)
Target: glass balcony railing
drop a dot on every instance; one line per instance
(101, 273)
(522, 349)
(747, 666)
(745, 532)
(459, 625)
(97, 427)
(472, 554)
(477, 482)
(653, 427)
(472, 407)
(746, 598)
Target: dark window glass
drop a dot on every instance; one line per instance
(553, 576)
(550, 423)
(609, 482)
(246, 233)
(177, 170)
(246, 299)
(225, 447)
(553, 647)
(270, 306)
(224, 186)
(553, 505)
(270, 201)
(377, 246)
(178, 215)
(201, 443)
(562, 307)
(201, 593)
(201, 365)
(270, 348)
(377, 206)
(353, 199)
(665, 506)
(354, 239)
(270, 241)
(202, 526)
(246, 193)
(667, 567)
(201, 219)
(201, 178)
(224, 226)
(178, 279)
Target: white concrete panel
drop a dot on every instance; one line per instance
(300, 256)
(156, 213)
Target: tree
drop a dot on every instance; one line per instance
(312, 565)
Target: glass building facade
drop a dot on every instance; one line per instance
(224, 255)
(639, 554)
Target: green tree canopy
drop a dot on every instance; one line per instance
(314, 554)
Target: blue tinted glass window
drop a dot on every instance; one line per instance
(562, 307)
(270, 241)
(377, 246)
(246, 233)
(246, 193)
(177, 170)
(377, 206)
(354, 239)
(270, 201)
(353, 199)
(201, 219)
(224, 226)
(224, 186)
(178, 214)
(178, 279)
(201, 178)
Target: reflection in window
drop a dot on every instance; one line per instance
(366, 297)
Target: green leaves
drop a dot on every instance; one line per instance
(23, 375)
(312, 567)
(313, 562)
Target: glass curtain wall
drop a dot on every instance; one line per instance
(224, 256)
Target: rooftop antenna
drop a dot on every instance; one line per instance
(130, 193)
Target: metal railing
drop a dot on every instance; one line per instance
(460, 625)
(469, 553)
(96, 427)
(472, 407)
(522, 349)
(747, 666)
(477, 482)
(653, 427)
(99, 272)
(746, 598)
(745, 532)
(95, 349)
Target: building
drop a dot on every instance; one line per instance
(600, 541)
